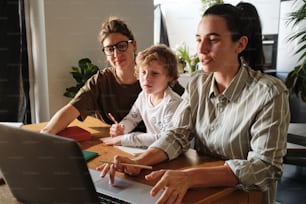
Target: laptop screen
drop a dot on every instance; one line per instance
(44, 168)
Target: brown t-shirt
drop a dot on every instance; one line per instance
(103, 94)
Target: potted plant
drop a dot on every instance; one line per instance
(81, 74)
(296, 79)
(190, 61)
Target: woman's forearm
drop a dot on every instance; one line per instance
(61, 119)
(146, 158)
(211, 176)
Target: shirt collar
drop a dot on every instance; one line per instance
(235, 87)
(213, 91)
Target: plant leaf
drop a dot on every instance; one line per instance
(83, 62)
(301, 58)
(298, 85)
(81, 74)
(290, 79)
(303, 92)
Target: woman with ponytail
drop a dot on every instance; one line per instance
(231, 108)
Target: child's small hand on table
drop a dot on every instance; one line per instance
(112, 140)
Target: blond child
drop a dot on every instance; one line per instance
(156, 68)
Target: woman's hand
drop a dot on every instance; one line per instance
(175, 184)
(112, 140)
(112, 168)
(116, 130)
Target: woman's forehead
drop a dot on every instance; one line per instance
(212, 24)
(114, 38)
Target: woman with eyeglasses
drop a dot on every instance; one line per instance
(112, 90)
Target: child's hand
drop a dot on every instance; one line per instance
(116, 130)
(112, 140)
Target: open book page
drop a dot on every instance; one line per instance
(13, 124)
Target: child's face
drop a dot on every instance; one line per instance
(154, 78)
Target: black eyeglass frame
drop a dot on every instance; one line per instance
(116, 46)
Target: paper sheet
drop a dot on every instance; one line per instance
(13, 124)
(131, 150)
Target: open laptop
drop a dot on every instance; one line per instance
(43, 168)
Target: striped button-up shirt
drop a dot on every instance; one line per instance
(246, 125)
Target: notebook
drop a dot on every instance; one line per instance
(76, 133)
(45, 169)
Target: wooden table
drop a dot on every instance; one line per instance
(190, 158)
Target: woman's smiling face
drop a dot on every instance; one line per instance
(119, 59)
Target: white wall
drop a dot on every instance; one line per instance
(71, 29)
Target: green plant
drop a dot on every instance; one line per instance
(81, 74)
(296, 79)
(208, 3)
(190, 60)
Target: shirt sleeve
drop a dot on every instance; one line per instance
(268, 145)
(133, 118)
(139, 139)
(175, 140)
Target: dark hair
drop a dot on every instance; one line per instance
(161, 53)
(114, 25)
(243, 20)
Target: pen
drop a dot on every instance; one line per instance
(127, 164)
(112, 118)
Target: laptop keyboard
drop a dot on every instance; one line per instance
(105, 199)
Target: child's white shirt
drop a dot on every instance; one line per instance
(156, 118)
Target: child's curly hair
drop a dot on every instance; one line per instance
(161, 53)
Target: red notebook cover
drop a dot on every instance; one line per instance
(76, 133)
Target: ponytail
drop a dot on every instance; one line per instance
(251, 28)
(243, 20)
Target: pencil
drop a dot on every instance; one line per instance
(112, 118)
(132, 165)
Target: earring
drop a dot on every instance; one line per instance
(242, 61)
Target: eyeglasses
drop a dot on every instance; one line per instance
(122, 46)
